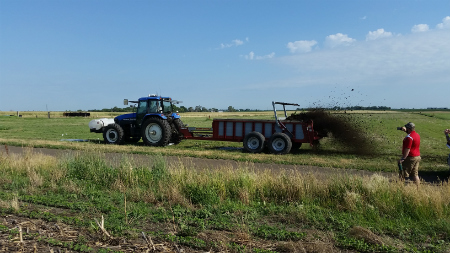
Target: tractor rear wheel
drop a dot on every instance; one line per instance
(280, 143)
(113, 134)
(254, 142)
(156, 132)
(177, 137)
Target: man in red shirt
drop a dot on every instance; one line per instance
(410, 153)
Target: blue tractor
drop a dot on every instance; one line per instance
(154, 121)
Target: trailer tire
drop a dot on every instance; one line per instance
(254, 142)
(156, 132)
(280, 144)
(113, 134)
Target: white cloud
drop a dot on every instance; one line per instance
(416, 60)
(383, 69)
(445, 23)
(234, 43)
(338, 39)
(420, 28)
(302, 46)
(252, 56)
(238, 42)
(267, 56)
(378, 34)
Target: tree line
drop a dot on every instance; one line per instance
(355, 108)
(230, 108)
(197, 108)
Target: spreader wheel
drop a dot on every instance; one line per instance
(280, 144)
(254, 142)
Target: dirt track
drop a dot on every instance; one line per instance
(201, 163)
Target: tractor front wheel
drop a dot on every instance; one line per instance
(254, 142)
(156, 132)
(280, 144)
(113, 134)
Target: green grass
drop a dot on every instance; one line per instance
(273, 212)
(181, 205)
(379, 128)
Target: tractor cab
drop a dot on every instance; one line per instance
(152, 105)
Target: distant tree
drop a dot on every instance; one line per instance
(231, 109)
(182, 109)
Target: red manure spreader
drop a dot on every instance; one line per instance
(279, 135)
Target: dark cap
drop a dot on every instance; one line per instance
(410, 125)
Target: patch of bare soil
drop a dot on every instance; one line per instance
(366, 235)
(22, 234)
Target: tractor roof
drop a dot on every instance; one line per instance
(155, 97)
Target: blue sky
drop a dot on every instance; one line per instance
(91, 54)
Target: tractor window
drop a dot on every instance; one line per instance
(167, 107)
(153, 106)
(142, 108)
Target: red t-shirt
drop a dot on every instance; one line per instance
(412, 141)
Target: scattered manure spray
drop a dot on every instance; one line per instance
(345, 128)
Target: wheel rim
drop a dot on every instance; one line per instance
(278, 144)
(153, 132)
(253, 143)
(111, 135)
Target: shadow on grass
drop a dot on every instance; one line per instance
(96, 141)
(434, 176)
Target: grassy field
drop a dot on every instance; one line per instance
(227, 210)
(379, 128)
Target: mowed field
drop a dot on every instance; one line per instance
(36, 129)
(80, 202)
